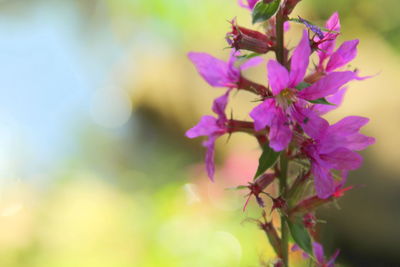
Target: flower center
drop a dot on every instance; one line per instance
(285, 98)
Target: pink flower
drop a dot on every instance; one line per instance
(289, 105)
(343, 55)
(335, 149)
(318, 251)
(212, 128)
(326, 45)
(219, 73)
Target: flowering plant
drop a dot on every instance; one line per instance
(288, 122)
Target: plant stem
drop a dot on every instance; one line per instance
(279, 50)
(284, 227)
(283, 159)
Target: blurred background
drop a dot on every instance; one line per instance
(95, 97)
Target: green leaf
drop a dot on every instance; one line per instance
(248, 56)
(263, 11)
(321, 101)
(240, 187)
(302, 86)
(300, 234)
(267, 159)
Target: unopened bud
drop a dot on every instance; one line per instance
(309, 204)
(242, 38)
(265, 180)
(279, 203)
(309, 220)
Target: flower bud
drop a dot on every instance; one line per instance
(242, 38)
(279, 203)
(309, 220)
(257, 188)
(264, 180)
(311, 203)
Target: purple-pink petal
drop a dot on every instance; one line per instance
(252, 62)
(358, 142)
(336, 99)
(313, 125)
(342, 159)
(280, 134)
(231, 62)
(296, 247)
(210, 166)
(250, 4)
(286, 26)
(331, 262)
(348, 125)
(263, 114)
(206, 126)
(278, 77)
(323, 181)
(219, 106)
(216, 72)
(343, 55)
(300, 60)
(318, 251)
(333, 23)
(328, 85)
(326, 48)
(345, 133)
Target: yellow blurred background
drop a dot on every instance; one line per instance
(94, 166)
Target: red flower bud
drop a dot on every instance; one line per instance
(311, 203)
(258, 187)
(309, 221)
(242, 38)
(279, 203)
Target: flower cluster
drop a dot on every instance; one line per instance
(288, 122)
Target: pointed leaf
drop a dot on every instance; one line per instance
(240, 187)
(300, 234)
(247, 56)
(321, 101)
(263, 11)
(302, 86)
(267, 159)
